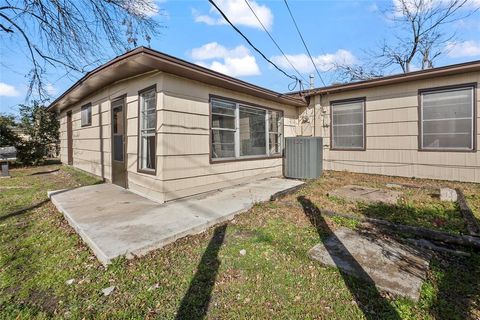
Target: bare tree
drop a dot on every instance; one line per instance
(355, 72)
(421, 34)
(73, 34)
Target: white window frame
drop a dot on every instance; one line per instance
(148, 132)
(421, 121)
(87, 108)
(236, 131)
(364, 135)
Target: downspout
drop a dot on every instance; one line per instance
(100, 125)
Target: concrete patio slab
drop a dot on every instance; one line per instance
(392, 266)
(366, 194)
(115, 222)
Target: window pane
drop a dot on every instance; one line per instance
(275, 121)
(148, 151)
(274, 143)
(118, 121)
(148, 100)
(149, 119)
(348, 125)
(223, 107)
(447, 119)
(222, 136)
(252, 131)
(86, 115)
(226, 122)
(148, 123)
(118, 147)
(223, 144)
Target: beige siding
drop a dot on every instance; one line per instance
(392, 134)
(185, 126)
(183, 166)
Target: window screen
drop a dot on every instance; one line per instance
(148, 120)
(86, 115)
(447, 119)
(348, 125)
(223, 129)
(252, 131)
(275, 132)
(239, 130)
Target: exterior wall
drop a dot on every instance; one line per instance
(185, 154)
(392, 134)
(183, 161)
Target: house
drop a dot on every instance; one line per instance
(167, 129)
(421, 124)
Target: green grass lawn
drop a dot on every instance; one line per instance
(205, 275)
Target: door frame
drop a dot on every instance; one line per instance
(69, 138)
(124, 111)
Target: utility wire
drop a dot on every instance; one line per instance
(255, 48)
(304, 44)
(275, 42)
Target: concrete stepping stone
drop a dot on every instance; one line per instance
(392, 266)
(366, 194)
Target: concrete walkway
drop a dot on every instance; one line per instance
(116, 222)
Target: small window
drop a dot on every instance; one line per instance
(348, 125)
(447, 119)
(86, 115)
(275, 136)
(147, 134)
(239, 131)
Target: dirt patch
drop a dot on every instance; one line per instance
(44, 300)
(366, 194)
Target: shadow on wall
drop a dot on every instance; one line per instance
(366, 295)
(196, 301)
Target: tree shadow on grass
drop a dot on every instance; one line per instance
(366, 295)
(196, 301)
(458, 295)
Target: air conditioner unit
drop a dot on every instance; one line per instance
(303, 157)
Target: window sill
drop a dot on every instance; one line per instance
(449, 150)
(214, 161)
(152, 172)
(86, 125)
(348, 149)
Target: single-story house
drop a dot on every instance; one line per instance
(166, 129)
(420, 124)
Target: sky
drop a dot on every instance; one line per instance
(339, 31)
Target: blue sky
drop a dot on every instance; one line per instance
(335, 31)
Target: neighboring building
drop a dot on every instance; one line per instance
(421, 124)
(180, 129)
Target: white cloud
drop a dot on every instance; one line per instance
(324, 62)
(238, 13)
(7, 90)
(236, 62)
(51, 89)
(373, 7)
(463, 49)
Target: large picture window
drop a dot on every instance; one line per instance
(147, 132)
(241, 131)
(348, 125)
(447, 119)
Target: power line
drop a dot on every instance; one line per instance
(303, 40)
(275, 42)
(251, 45)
